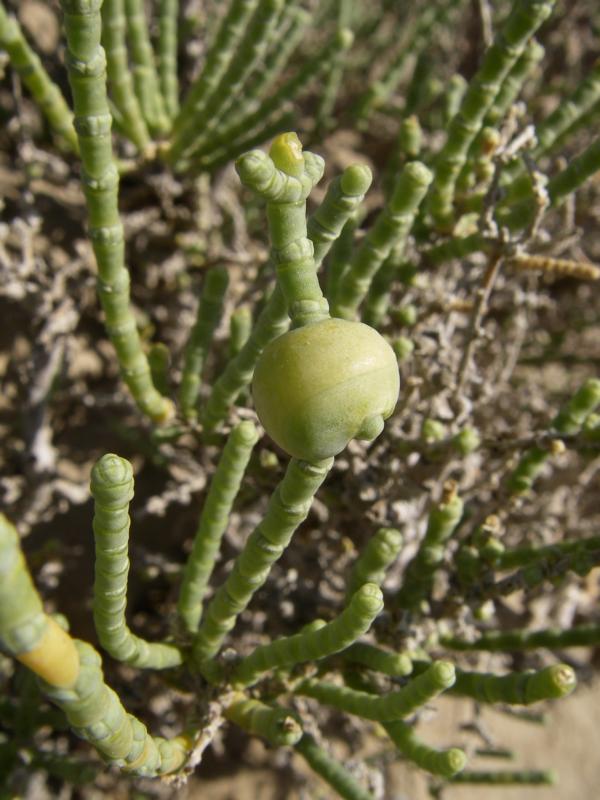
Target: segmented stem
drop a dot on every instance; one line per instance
(287, 509)
(569, 420)
(208, 315)
(87, 75)
(28, 66)
(26, 632)
(380, 91)
(315, 644)
(271, 323)
(112, 488)
(213, 522)
(284, 179)
(119, 74)
(517, 688)
(383, 708)
(97, 715)
(390, 229)
(278, 726)
(219, 55)
(331, 771)
(240, 328)
(248, 54)
(526, 777)
(397, 665)
(313, 68)
(438, 762)
(442, 522)
(145, 77)
(509, 44)
(167, 54)
(379, 553)
(344, 195)
(507, 641)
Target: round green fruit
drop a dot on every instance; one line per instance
(318, 386)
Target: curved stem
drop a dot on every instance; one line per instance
(112, 488)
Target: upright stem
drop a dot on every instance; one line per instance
(86, 64)
(119, 75)
(29, 67)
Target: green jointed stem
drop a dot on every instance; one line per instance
(423, 87)
(383, 708)
(341, 256)
(112, 488)
(29, 68)
(119, 76)
(96, 715)
(410, 137)
(87, 75)
(525, 18)
(145, 77)
(455, 92)
(213, 522)
(22, 617)
(554, 128)
(517, 688)
(379, 553)
(331, 771)
(208, 315)
(314, 67)
(529, 777)
(378, 300)
(219, 55)
(583, 403)
(287, 509)
(514, 82)
(248, 54)
(380, 91)
(397, 665)
(569, 420)
(312, 645)
(529, 467)
(159, 359)
(504, 101)
(333, 80)
(585, 122)
(271, 323)
(283, 44)
(285, 179)
(167, 54)
(406, 147)
(278, 726)
(240, 328)
(438, 762)
(391, 228)
(580, 561)
(507, 641)
(580, 169)
(523, 556)
(418, 577)
(344, 194)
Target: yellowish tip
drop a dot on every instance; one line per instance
(286, 154)
(167, 413)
